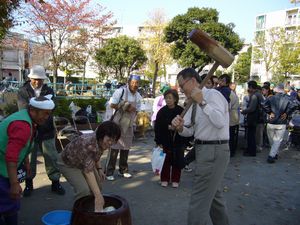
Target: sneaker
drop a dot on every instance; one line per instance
(270, 159)
(187, 169)
(125, 175)
(110, 178)
(175, 185)
(164, 183)
(57, 188)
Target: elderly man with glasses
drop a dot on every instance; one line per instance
(210, 127)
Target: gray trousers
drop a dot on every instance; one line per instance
(206, 198)
(112, 160)
(77, 180)
(48, 149)
(259, 136)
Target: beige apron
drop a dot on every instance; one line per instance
(125, 142)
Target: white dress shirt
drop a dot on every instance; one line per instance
(211, 120)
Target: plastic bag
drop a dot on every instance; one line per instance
(89, 110)
(74, 108)
(108, 112)
(157, 160)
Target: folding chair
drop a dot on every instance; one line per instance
(60, 124)
(82, 124)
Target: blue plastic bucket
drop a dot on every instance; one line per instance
(57, 217)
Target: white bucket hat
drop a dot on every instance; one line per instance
(37, 72)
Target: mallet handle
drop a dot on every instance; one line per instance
(202, 84)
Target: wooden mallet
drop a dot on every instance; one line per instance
(214, 50)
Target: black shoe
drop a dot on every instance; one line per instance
(271, 159)
(57, 188)
(27, 191)
(276, 157)
(28, 188)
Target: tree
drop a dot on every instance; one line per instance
(122, 55)
(157, 50)
(78, 53)
(267, 44)
(206, 19)
(242, 66)
(57, 21)
(288, 55)
(6, 18)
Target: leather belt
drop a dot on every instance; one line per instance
(216, 142)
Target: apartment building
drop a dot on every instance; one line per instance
(289, 19)
(19, 53)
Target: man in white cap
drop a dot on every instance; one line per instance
(45, 139)
(16, 140)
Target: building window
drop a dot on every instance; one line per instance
(261, 22)
(291, 17)
(10, 55)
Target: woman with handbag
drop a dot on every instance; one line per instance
(172, 145)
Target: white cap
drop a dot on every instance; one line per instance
(37, 72)
(42, 102)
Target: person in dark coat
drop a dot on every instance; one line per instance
(44, 140)
(164, 137)
(251, 113)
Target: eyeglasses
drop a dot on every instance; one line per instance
(184, 82)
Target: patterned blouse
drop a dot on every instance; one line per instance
(82, 153)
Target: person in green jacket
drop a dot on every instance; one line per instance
(16, 141)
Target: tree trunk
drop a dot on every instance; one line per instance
(83, 78)
(154, 79)
(55, 78)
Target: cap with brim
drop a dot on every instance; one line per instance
(37, 72)
(164, 89)
(46, 104)
(134, 77)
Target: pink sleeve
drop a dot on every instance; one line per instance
(18, 133)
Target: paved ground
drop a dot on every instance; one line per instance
(257, 193)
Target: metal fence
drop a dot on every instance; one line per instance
(66, 90)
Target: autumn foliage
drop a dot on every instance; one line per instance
(59, 21)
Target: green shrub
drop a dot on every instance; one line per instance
(62, 105)
(62, 108)
(10, 108)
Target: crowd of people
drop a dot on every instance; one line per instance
(267, 114)
(210, 126)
